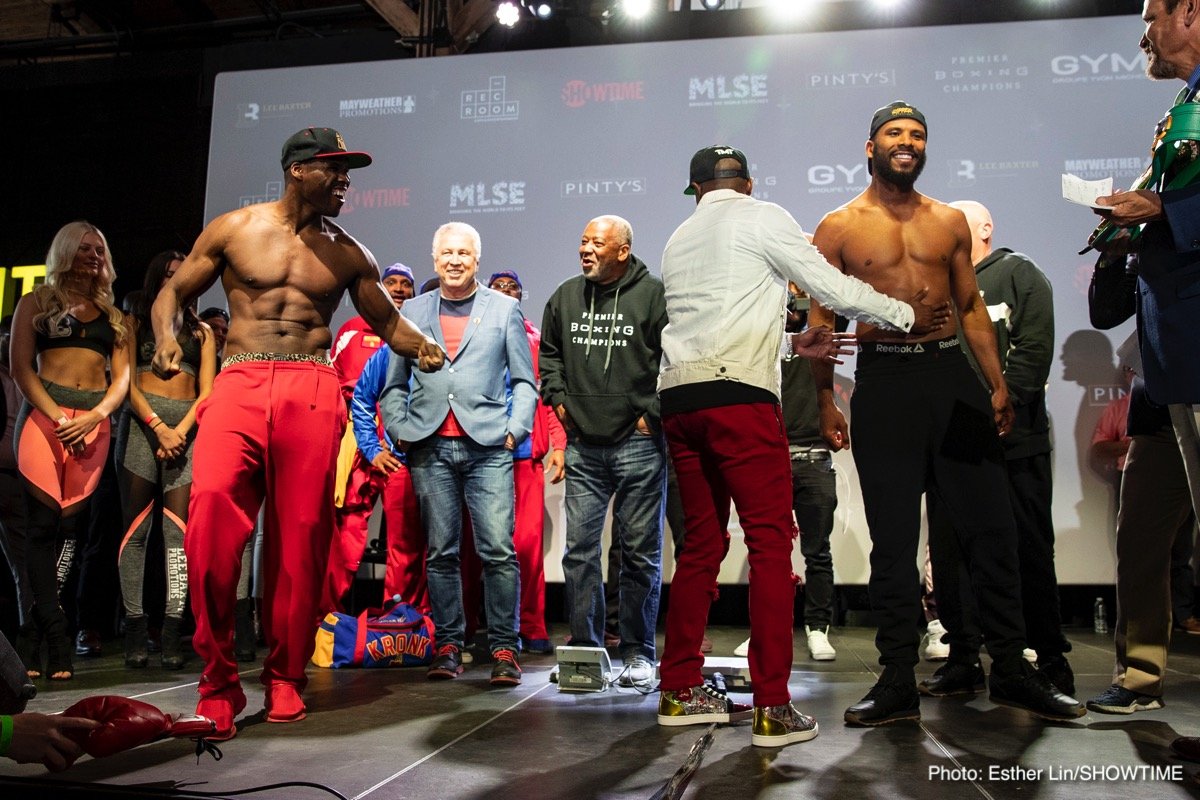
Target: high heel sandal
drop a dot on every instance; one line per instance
(29, 648)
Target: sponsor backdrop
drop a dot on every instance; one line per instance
(527, 147)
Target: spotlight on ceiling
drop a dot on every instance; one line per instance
(712, 5)
(507, 13)
(541, 10)
(635, 9)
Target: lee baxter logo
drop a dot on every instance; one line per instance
(491, 104)
(728, 90)
(576, 94)
(487, 198)
(250, 114)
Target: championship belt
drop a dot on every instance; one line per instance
(1174, 152)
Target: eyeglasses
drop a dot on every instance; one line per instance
(504, 286)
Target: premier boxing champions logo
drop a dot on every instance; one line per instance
(981, 72)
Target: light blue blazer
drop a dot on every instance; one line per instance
(494, 346)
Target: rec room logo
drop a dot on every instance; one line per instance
(576, 94)
(272, 190)
(377, 106)
(491, 104)
(728, 90)
(487, 198)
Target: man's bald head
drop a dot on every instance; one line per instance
(979, 220)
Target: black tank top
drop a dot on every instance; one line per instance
(96, 335)
(146, 345)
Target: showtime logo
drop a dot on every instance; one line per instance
(384, 197)
(576, 94)
(487, 198)
(726, 90)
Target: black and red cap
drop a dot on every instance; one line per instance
(313, 143)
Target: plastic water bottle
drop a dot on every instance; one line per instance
(1101, 620)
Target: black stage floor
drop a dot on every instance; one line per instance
(384, 734)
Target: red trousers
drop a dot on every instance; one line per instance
(405, 574)
(269, 429)
(529, 514)
(736, 453)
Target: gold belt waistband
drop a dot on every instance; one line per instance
(242, 358)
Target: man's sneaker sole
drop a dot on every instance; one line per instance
(721, 718)
(443, 674)
(1039, 714)
(1101, 708)
(504, 681)
(899, 716)
(761, 740)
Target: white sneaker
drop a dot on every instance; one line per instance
(742, 650)
(818, 644)
(933, 647)
(638, 671)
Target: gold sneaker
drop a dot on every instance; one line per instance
(699, 705)
(775, 726)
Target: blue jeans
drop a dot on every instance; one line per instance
(448, 471)
(633, 474)
(814, 499)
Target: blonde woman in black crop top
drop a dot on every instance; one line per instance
(70, 327)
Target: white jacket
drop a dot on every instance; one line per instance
(725, 271)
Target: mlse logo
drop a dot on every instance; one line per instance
(483, 195)
(721, 88)
(828, 174)
(1103, 64)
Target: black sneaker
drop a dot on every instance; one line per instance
(954, 678)
(1119, 700)
(446, 664)
(1059, 672)
(505, 671)
(886, 702)
(1032, 691)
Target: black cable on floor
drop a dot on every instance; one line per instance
(73, 789)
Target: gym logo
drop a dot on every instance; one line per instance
(981, 72)
(1099, 67)
(601, 187)
(726, 90)
(272, 191)
(837, 178)
(377, 106)
(491, 104)
(576, 94)
(487, 198)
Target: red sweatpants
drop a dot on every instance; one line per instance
(734, 452)
(405, 573)
(269, 429)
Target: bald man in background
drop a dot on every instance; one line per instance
(1020, 303)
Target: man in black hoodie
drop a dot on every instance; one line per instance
(599, 359)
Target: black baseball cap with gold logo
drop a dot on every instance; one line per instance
(704, 165)
(313, 143)
(896, 110)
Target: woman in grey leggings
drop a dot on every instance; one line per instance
(154, 438)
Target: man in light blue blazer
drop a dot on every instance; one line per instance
(459, 436)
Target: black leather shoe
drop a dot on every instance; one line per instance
(87, 643)
(505, 670)
(886, 702)
(1032, 691)
(1059, 672)
(446, 664)
(954, 678)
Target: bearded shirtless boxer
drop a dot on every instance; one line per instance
(923, 422)
(273, 421)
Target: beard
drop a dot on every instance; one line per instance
(1157, 69)
(882, 168)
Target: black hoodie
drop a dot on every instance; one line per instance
(600, 351)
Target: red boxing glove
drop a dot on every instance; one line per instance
(125, 723)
